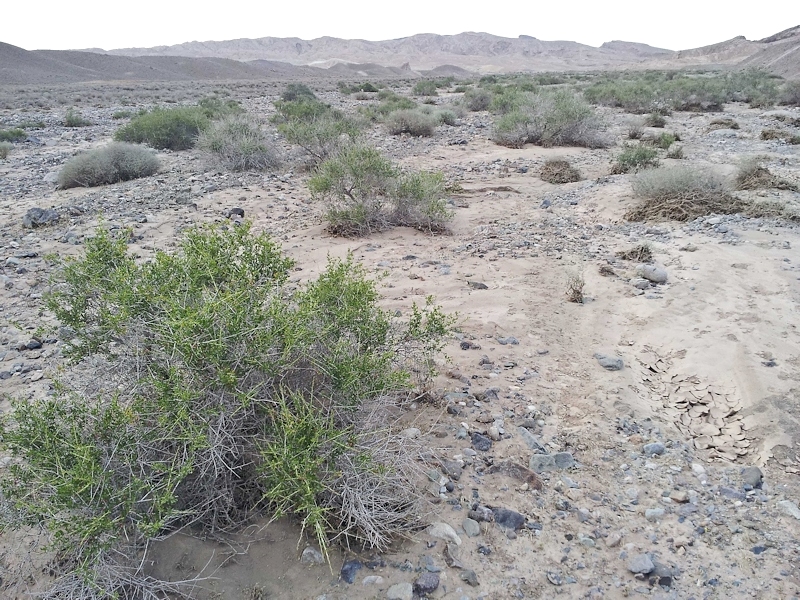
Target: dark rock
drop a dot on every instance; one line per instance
(508, 518)
(426, 583)
(470, 577)
(481, 442)
(481, 514)
(33, 345)
(608, 362)
(661, 574)
(477, 285)
(38, 217)
(233, 212)
(753, 477)
(732, 493)
(349, 570)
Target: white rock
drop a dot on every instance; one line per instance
(443, 531)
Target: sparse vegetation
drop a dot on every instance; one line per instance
(297, 91)
(681, 193)
(752, 175)
(655, 120)
(635, 131)
(5, 149)
(172, 128)
(413, 122)
(112, 163)
(364, 192)
(121, 114)
(12, 135)
(31, 124)
(559, 171)
(75, 119)
(642, 253)
(424, 87)
(665, 140)
(223, 393)
(555, 118)
(239, 143)
(723, 123)
(575, 285)
(675, 152)
(634, 158)
(477, 99)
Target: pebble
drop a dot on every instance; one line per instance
(481, 442)
(349, 570)
(753, 477)
(654, 448)
(641, 563)
(509, 519)
(471, 528)
(372, 580)
(653, 514)
(400, 591)
(551, 462)
(312, 556)
(445, 532)
(653, 273)
(608, 362)
(426, 583)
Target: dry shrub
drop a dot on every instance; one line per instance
(751, 175)
(772, 209)
(575, 285)
(655, 120)
(413, 122)
(5, 149)
(559, 171)
(725, 123)
(681, 193)
(642, 253)
(607, 271)
(773, 134)
(239, 143)
(113, 163)
(675, 152)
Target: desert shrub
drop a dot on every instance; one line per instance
(655, 120)
(413, 122)
(477, 99)
(633, 158)
(297, 91)
(460, 89)
(31, 124)
(222, 393)
(445, 117)
(317, 128)
(508, 99)
(639, 253)
(665, 140)
(752, 175)
(5, 149)
(635, 131)
(215, 107)
(362, 96)
(121, 114)
(555, 118)
(112, 163)
(304, 109)
(681, 193)
(75, 119)
(790, 94)
(12, 135)
(675, 152)
(239, 143)
(424, 87)
(364, 192)
(793, 140)
(575, 285)
(723, 123)
(771, 209)
(172, 128)
(559, 171)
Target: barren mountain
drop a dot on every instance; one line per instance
(781, 54)
(475, 51)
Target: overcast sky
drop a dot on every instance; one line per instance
(108, 24)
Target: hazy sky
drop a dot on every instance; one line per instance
(677, 24)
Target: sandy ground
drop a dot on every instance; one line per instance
(725, 323)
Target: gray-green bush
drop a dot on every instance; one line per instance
(12, 135)
(413, 122)
(172, 128)
(112, 163)
(477, 99)
(220, 393)
(364, 192)
(5, 149)
(634, 158)
(552, 118)
(239, 143)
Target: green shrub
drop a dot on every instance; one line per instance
(31, 125)
(413, 122)
(112, 163)
(424, 87)
(681, 193)
(477, 99)
(446, 117)
(558, 171)
(508, 99)
(655, 120)
(297, 91)
(172, 128)
(665, 140)
(317, 128)
(5, 149)
(13, 135)
(390, 102)
(790, 94)
(304, 109)
(364, 193)
(121, 114)
(217, 108)
(556, 118)
(239, 143)
(75, 119)
(230, 394)
(635, 158)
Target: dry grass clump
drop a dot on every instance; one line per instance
(751, 175)
(724, 123)
(773, 134)
(575, 285)
(675, 152)
(5, 149)
(642, 253)
(113, 163)
(559, 171)
(655, 120)
(772, 209)
(239, 143)
(681, 193)
(411, 121)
